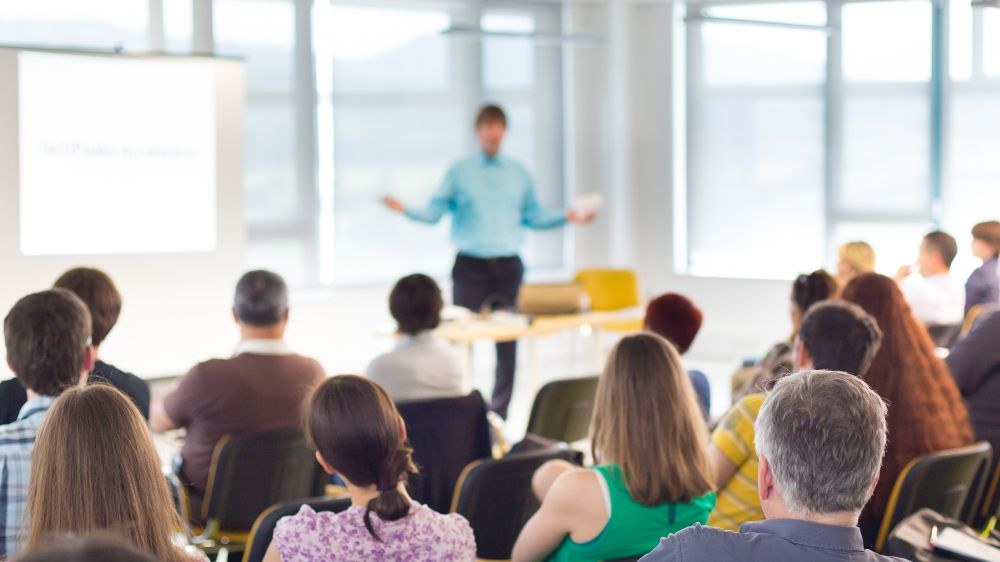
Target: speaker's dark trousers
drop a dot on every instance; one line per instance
(491, 283)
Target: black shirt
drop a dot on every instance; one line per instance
(13, 395)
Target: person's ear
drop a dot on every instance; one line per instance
(765, 480)
(322, 462)
(284, 317)
(402, 427)
(89, 359)
(236, 317)
(802, 359)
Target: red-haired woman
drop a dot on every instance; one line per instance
(926, 412)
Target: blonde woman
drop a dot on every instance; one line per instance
(653, 476)
(95, 470)
(856, 258)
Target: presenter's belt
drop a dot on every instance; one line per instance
(498, 259)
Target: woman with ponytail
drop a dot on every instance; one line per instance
(361, 437)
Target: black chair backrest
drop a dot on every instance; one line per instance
(263, 527)
(253, 471)
(942, 481)
(495, 497)
(944, 335)
(562, 409)
(446, 434)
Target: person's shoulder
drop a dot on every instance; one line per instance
(449, 527)
(753, 402)
(307, 521)
(694, 543)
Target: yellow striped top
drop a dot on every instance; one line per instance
(738, 502)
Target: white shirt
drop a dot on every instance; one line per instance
(263, 347)
(935, 299)
(420, 368)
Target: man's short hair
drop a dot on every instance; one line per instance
(675, 318)
(988, 232)
(823, 434)
(416, 303)
(261, 298)
(47, 335)
(490, 113)
(840, 336)
(98, 292)
(942, 244)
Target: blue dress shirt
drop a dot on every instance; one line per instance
(17, 440)
(775, 540)
(491, 201)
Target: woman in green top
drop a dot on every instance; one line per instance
(654, 477)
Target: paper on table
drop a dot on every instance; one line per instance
(588, 204)
(950, 540)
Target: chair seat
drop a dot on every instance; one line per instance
(628, 326)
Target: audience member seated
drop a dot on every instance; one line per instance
(422, 366)
(856, 258)
(677, 319)
(261, 388)
(983, 286)
(926, 412)
(934, 295)
(975, 364)
(90, 549)
(807, 290)
(653, 476)
(96, 470)
(362, 439)
(47, 336)
(820, 439)
(834, 336)
(104, 302)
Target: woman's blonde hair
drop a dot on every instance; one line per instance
(860, 255)
(648, 422)
(94, 469)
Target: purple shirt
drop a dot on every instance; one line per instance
(766, 541)
(983, 286)
(422, 536)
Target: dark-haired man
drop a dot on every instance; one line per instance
(421, 367)
(47, 335)
(96, 289)
(835, 336)
(492, 200)
(935, 296)
(261, 388)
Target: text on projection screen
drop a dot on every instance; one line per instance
(116, 155)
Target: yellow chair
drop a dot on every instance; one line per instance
(612, 290)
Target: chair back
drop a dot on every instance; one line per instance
(610, 289)
(562, 409)
(944, 335)
(263, 528)
(446, 434)
(495, 497)
(945, 481)
(253, 471)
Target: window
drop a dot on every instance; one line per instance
(755, 142)
(779, 141)
(95, 24)
(396, 100)
(971, 191)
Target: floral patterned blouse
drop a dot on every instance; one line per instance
(422, 536)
